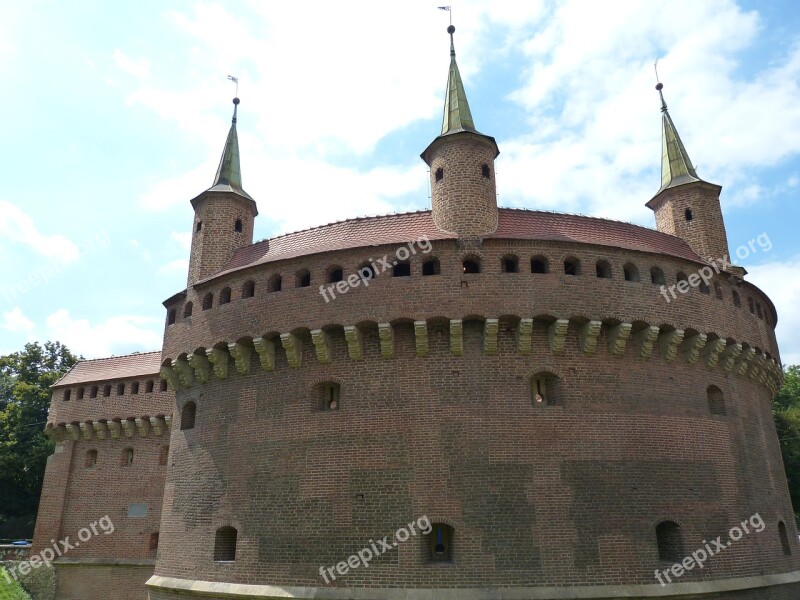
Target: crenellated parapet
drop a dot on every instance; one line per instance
(647, 341)
(115, 429)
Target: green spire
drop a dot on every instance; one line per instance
(229, 172)
(676, 167)
(457, 116)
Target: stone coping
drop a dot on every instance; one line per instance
(699, 588)
(105, 562)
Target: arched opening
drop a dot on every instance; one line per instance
(401, 269)
(758, 311)
(188, 414)
(163, 385)
(198, 226)
(91, 459)
(163, 455)
(187, 310)
(471, 265)
(120, 389)
(737, 300)
(126, 460)
(751, 305)
(787, 548)
(274, 284)
(603, 269)
(148, 387)
(681, 276)
(670, 541)
(688, 214)
(656, 276)
(302, 278)
(439, 174)
(67, 395)
(225, 295)
(208, 301)
(80, 393)
(546, 389)
(153, 543)
(335, 274)
(135, 388)
(366, 271)
(171, 316)
(718, 291)
(106, 390)
(440, 543)
(248, 289)
(431, 267)
(539, 265)
(237, 226)
(329, 395)
(631, 272)
(509, 264)
(703, 287)
(486, 172)
(572, 266)
(225, 544)
(716, 400)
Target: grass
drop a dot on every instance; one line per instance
(11, 591)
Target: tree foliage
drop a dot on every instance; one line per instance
(786, 411)
(25, 380)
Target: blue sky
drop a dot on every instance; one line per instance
(115, 114)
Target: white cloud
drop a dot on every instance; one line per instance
(15, 321)
(180, 265)
(780, 281)
(183, 238)
(140, 68)
(17, 227)
(114, 335)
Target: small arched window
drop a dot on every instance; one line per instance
(335, 274)
(302, 278)
(237, 226)
(187, 310)
(163, 455)
(93, 391)
(670, 542)
(545, 389)
(67, 395)
(402, 269)
(330, 395)
(91, 459)
(441, 543)
(120, 389)
(631, 272)
(718, 291)
(539, 265)
(716, 400)
(248, 289)
(737, 300)
(486, 172)
(572, 266)
(366, 271)
(509, 264)
(656, 276)
(148, 388)
(126, 459)
(758, 311)
(274, 284)
(439, 174)
(106, 390)
(752, 305)
(603, 269)
(163, 385)
(703, 287)
(135, 388)
(188, 414)
(198, 226)
(681, 276)
(431, 267)
(80, 393)
(688, 214)
(225, 295)
(171, 316)
(225, 544)
(782, 533)
(471, 265)
(153, 545)
(208, 301)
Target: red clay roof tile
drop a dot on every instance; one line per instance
(115, 367)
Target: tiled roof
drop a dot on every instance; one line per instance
(513, 224)
(115, 367)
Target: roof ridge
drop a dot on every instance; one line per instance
(585, 216)
(84, 360)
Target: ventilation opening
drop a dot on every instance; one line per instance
(431, 267)
(153, 545)
(187, 310)
(106, 390)
(670, 542)
(603, 269)
(303, 279)
(539, 265)
(758, 311)
(657, 276)
(225, 296)
(718, 291)
(401, 269)
(688, 214)
(208, 301)
(225, 544)
(330, 395)
(681, 276)
(248, 289)
(135, 388)
(631, 272)
(509, 264)
(188, 414)
(787, 548)
(163, 455)
(91, 459)
(127, 457)
(93, 392)
(716, 400)
(163, 385)
(274, 284)
(572, 267)
(237, 226)
(703, 287)
(198, 226)
(67, 395)
(737, 300)
(171, 316)
(439, 174)
(80, 393)
(752, 306)
(148, 388)
(440, 543)
(335, 275)
(120, 389)
(486, 172)
(366, 271)
(471, 265)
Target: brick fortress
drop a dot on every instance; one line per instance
(524, 385)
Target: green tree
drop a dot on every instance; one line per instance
(786, 411)
(25, 380)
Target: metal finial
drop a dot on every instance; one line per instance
(236, 96)
(451, 30)
(659, 87)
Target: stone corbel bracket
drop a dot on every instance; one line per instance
(693, 346)
(294, 349)
(241, 357)
(219, 359)
(645, 340)
(457, 337)
(200, 365)
(322, 345)
(588, 336)
(490, 328)
(669, 342)
(386, 337)
(355, 345)
(421, 338)
(557, 335)
(525, 336)
(266, 353)
(618, 338)
(184, 371)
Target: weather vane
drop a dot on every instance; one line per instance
(236, 81)
(655, 68)
(449, 10)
